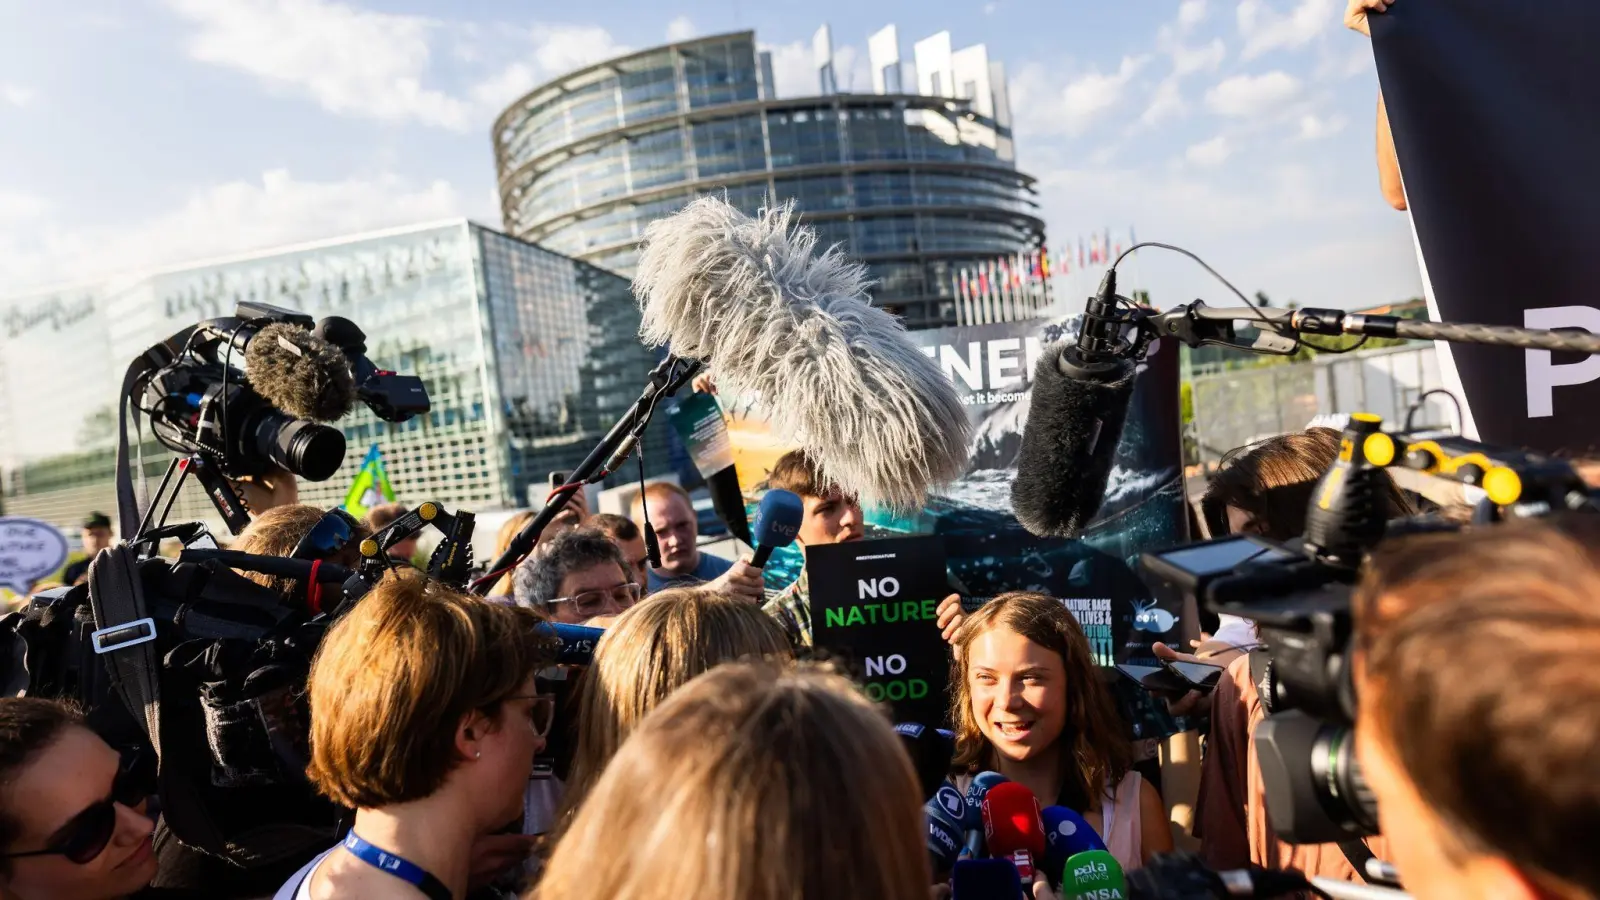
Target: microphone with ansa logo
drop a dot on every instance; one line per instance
(1093, 875)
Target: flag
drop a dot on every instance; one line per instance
(371, 486)
(1044, 262)
(1133, 241)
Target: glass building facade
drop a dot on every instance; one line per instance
(528, 357)
(912, 185)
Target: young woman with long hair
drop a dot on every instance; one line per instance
(1029, 703)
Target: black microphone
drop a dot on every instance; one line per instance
(1077, 407)
(299, 373)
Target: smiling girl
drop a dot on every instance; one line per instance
(1030, 704)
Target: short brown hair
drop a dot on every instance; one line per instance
(396, 675)
(657, 490)
(1475, 661)
(384, 514)
(1095, 749)
(277, 531)
(1273, 481)
(654, 648)
(28, 726)
(796, 471)
(618, 528)
(755, 782)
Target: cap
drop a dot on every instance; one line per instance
(97, 520)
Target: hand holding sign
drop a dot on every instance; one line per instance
(29, 550)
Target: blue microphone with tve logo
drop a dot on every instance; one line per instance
(777, 523)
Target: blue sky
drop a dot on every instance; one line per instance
(149, 132)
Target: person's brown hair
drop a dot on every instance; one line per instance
(1475, 656)
(508, 531)
(1095, 751)
(277, 531)
(753, 782)
(396, 675)
(28, 726)
(382, 515)
(615, 527)
(796, 471)
(1273, 481)
(658, 490)
(652, 649)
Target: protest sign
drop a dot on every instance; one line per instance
(29, 551)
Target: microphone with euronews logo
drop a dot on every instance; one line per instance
(973, 820)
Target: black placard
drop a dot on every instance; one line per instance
(873, 604)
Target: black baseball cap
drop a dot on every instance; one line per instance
(97, 520)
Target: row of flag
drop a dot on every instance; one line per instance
(1010, 287)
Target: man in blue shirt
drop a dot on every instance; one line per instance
(678, 533)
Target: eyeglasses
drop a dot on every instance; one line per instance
(542, 714)
(86, 834)
(594, 603)
(332, 532)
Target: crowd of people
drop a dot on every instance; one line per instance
(709, 750)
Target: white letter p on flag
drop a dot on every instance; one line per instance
(1542, 376)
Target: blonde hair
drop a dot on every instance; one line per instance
(277, 531)
(651, 650)
(754, 782)
(508, 530)
(397, 674)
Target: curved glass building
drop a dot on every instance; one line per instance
(917, 185)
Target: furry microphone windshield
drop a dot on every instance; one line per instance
(792, 329)
(299, 373)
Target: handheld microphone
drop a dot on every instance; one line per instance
(299, 372)
(1012, 828)
(793, 330)
(1076, 409)
(1066, 834)
(1093, 875)
(981, 784)
(930, 751)
(577, 642)
(777, 523)
(985, 879)
(944, 836)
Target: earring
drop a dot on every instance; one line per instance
(477, 754)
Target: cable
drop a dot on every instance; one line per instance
(1422, 401)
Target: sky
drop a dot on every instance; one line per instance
(142, 133)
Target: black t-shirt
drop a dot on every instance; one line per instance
(76, 570)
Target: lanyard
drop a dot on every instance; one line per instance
(398, 866)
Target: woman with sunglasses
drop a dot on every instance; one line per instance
(425, 721)
(72, 811)
(304, 532)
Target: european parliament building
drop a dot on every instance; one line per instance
(917, 178)
(528, 357)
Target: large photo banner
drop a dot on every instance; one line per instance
(986, 551)
(1493, 112)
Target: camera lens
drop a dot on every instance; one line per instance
(1337, 771)
(1315, 789)
(311, 451)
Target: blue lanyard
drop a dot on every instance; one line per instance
(398, 866)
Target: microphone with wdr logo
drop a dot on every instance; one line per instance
(777, 523)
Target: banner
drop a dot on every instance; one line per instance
(874, 604)
(371, 486)
(1492, 111)
(30, 550)
(986, 551)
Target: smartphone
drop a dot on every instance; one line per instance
(1155, 678)
(557, 479)
(1199, 676)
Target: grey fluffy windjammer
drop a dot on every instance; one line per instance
(792, 329)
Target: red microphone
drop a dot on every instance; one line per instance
(1012, 827)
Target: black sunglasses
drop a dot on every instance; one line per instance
(331, 534)
(86, 834)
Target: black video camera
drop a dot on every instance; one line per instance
(1298, 593)
(200, 400)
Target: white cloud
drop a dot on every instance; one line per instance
(1248, 96)
(1166, 103)
(1210, 153)
(990, 8)
(1070, 108)
(17, 95)
(1187, 60)
(232, 217)
(680, 29)
(351, 61)
(1191, 13)
(1313, 128)
(1264, 30)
